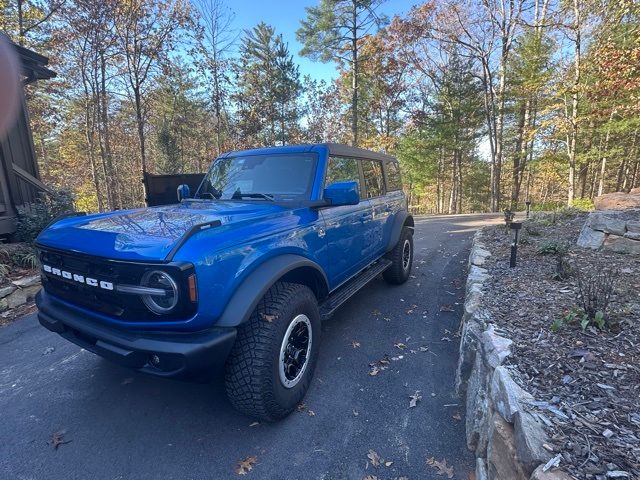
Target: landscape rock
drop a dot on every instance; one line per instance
(632, 235)
(590, 238)
(4, 291)
(496, 348)
(608, 222)
(477, 275)
(31, 291)
(619, 244)
(470, 339)
(617, 200)
(529, 440)
(477, 408)
(633, 226)
(539, 474)
(501, 452)
(17, 299)
(479, 256)
(27, 281)
(507, 396)
(481, 469)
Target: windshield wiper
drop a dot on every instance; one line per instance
(265, 196)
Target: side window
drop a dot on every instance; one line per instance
(342, 169)
(394, 181)
(373, 179)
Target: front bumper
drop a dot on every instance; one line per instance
(164, 354)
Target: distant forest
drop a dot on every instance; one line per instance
(487, 103)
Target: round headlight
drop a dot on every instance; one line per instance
(160, 303)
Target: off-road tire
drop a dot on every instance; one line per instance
(399, 271)
(252, 371)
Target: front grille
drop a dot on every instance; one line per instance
(118, 305)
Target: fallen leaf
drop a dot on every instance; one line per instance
(268, 318)
(375, 312)
(441, 467)
(400, 345)
(355, 344)
(311, 413)
(254, 424)
(446, 308)
(370, 477)
(246, 465)
(413, 399)
(374, 458)
(423, 349)
(374, 371)
(301, 407)
(355, 413)
(388, 463)
(445, 339)
(56, 440)
(456, 416)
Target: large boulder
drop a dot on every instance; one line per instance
(618, 200)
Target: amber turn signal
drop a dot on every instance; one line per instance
(193, 288)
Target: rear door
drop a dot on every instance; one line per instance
(375, 192)
(346, 225)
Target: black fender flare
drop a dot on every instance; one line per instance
(402, 219)
(246, 297)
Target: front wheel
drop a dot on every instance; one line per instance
(402, 259)
(272, 361)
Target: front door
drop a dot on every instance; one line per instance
(346, 226)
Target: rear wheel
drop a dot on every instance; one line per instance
(272, 361)
(402, 259)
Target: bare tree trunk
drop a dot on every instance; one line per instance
(603, 159)
(354, 75)
(572, 134)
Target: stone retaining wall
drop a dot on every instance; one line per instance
(502, 430)
(18, 293)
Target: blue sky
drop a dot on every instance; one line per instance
(285, 16)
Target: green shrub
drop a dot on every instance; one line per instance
(48, 206)
(583, 204)
(552, 247)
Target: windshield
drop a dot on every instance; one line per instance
(280, 177)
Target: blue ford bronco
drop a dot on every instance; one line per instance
(238, 276)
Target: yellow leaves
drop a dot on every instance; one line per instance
(246, 465)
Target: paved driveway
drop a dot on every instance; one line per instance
(123, 425)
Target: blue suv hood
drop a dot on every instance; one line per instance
(145, 234)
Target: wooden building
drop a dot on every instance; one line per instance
(19, 177)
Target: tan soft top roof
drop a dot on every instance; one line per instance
(347, 151)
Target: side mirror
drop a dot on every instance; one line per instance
(183, 192)
(342, 193)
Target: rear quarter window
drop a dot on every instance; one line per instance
(373, 180)
(394, 181)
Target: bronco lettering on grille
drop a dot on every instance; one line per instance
(74, 277)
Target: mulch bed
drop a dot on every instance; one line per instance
(586, 382)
